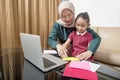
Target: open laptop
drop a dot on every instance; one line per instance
(32, 50)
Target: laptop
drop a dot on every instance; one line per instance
(32, 50)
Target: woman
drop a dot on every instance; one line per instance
(64, 26)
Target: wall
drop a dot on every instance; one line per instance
(105, 13)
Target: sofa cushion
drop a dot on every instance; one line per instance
(110, 38)
(109, 49)
(108, 56)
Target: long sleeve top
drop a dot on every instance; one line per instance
(61, 33)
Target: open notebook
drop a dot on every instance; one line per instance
(32, 49)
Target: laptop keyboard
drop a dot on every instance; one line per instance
(48, 63)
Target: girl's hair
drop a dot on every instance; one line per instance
(83, 15)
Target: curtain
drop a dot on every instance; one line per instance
(27, 16)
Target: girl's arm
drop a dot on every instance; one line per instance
(62, 49)
(66, 44)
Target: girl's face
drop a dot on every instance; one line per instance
(81, 25)
(67, 16)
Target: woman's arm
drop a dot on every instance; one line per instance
(53, 41)
(52, 38)
(95, 42)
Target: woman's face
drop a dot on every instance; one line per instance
(81, 25)
(67, 16)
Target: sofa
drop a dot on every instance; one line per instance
(108, 52)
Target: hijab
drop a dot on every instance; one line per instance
(63, 5)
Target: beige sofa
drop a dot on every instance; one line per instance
(109, 49)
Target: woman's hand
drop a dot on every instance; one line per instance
(84, 55)
(62, 51)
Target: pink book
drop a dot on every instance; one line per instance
(79, 73)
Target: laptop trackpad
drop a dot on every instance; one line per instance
(48, 63)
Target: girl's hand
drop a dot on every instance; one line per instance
(62, 51)
(84, 55)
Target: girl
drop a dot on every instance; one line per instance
(80, 38)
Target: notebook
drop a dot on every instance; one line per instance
(81, 74)
(32, 50)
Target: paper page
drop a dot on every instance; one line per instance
(80, 65)
(94, 66)
(50, 51)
